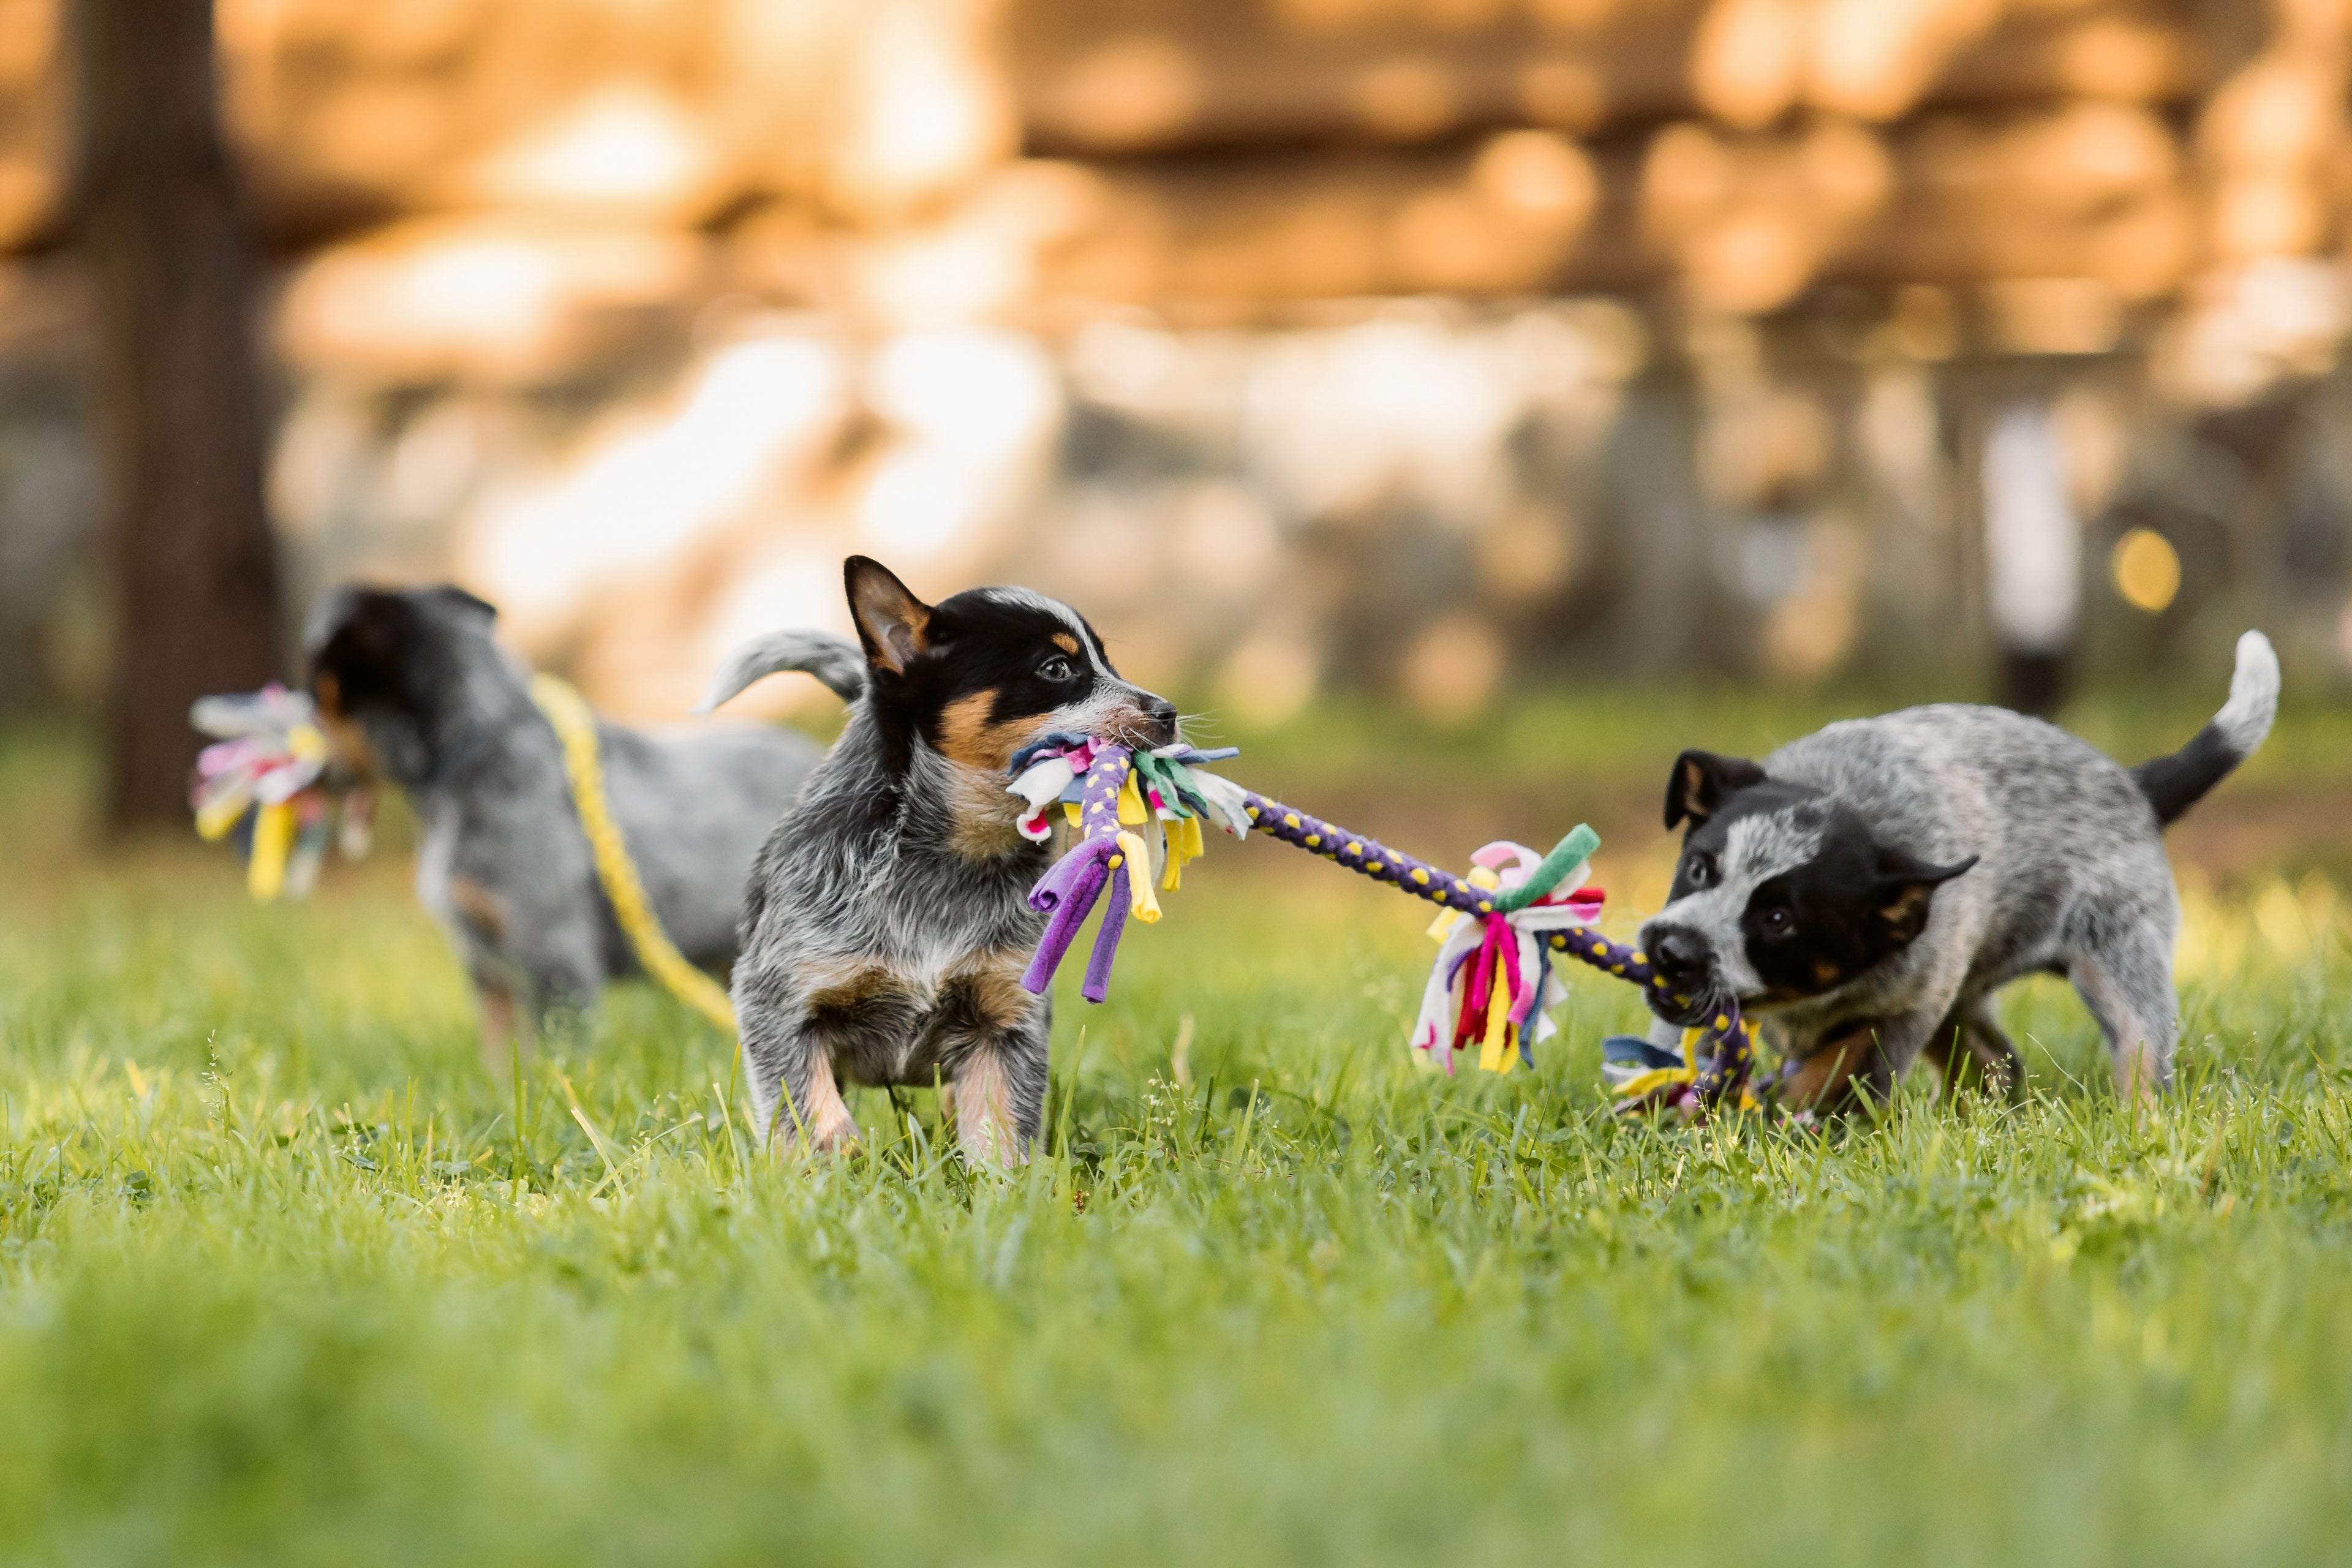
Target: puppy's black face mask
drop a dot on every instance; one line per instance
(1779, 895)
(383, 667)
(979, 675)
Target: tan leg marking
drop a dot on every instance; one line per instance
(983, 1115)
(848, 985)
(823, 1125)
(502, 1033)
(979, 1098)
(1824, 1075)
(480, 909)
(994, 980)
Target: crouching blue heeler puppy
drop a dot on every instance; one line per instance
(887, 923)
(411, 688)
(1865, 890)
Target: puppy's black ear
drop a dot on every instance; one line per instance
(359, 623)
(1696, 787)
(893, 623)
(1906, 884)
(357, 642)
(457, 598)
(332, 610)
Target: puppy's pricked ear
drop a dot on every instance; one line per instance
(365, 623)
(1701, 780)
(892, 623)
(457, 598)
(1906, 886)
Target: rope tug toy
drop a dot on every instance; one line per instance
(1493, 984)
(268, 761)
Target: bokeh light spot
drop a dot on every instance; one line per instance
(2147, 570)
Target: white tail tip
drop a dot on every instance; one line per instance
(2246, 717)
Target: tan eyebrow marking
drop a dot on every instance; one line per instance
(1065, 642)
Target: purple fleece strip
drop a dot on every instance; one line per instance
(1065, 893)
(1114, 923)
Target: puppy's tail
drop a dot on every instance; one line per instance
(2174, 783)
(834, 659)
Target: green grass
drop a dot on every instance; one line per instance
(285, 1276)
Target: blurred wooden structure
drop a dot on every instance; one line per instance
(1810, 248)
(1227, 154)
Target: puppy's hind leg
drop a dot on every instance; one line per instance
(504, 1025)
(562, 972)
(2126, 982)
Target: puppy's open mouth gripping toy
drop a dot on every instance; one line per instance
(268, 761)
(1502, 931)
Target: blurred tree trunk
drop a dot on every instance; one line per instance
(189, 553)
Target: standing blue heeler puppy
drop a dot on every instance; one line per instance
(412, 687)
(1865, 890)
(888, 923)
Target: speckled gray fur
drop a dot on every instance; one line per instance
(2071, 876)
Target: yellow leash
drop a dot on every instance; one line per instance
(575, 727)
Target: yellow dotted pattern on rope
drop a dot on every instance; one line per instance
(575, 727)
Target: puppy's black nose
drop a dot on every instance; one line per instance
(1679, 955)
(1162, 714)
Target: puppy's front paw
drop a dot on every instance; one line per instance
(826, 1128)
(835, 1131)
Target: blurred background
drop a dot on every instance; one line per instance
(1416, 354)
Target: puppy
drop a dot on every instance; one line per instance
(1865, 889)
(887, 921)
(411, 688)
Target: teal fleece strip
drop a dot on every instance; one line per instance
(1566, 856)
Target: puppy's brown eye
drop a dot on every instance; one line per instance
(1056, 670)
(1777, 922)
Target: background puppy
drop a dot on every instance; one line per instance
(887, 923)
(411, 686)
(1866, 889)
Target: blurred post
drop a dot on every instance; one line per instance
(2033, 557)
(187, 544)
